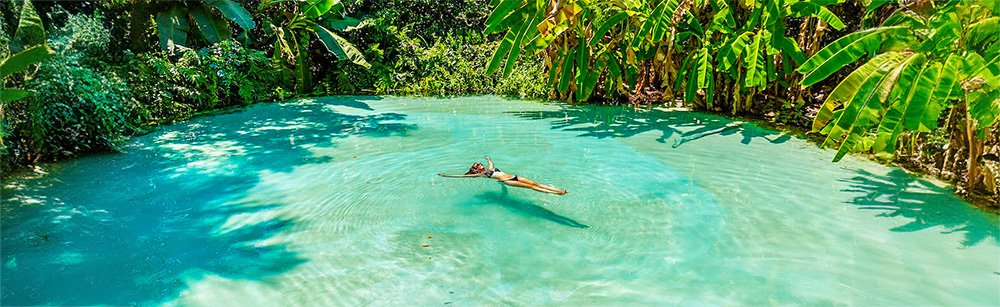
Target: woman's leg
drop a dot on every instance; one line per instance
(552, 189)
(536, 187)
(543, 186)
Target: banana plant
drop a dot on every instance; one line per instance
(622, 43)
(927, 60)
(173, 22)
(583, 42)
(30, 47)
(753, 52)
(293, 25)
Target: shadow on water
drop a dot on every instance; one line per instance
(622, 122)
(133, 228)
(898, 194)
(527, 208)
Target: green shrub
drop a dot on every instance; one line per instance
(428, 19)
(74, 109)
(526, 82)
(223, 75)
(412, 52)
(448, 66)
(83, 34)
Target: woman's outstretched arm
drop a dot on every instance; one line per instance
(490, 162)
(461, 176)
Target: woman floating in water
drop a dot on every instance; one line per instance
(478, 170)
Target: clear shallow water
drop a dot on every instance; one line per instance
(335, 201)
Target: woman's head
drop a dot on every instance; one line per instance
(477, 168)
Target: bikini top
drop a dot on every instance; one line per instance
(495, 171)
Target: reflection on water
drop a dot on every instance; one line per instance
(334, 201)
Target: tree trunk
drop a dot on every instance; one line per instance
(973, 178)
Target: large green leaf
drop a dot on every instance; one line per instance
(23, 59)
(11, 94)
(582, 63)
(812, 9)
(691, 86)
(861, 112)
(302, 74)
(983, 100)
(670, 8)
(342, 24)
(985, 109)
(614, 78)
(233, 11)
(788, 47)
(566, 75)
(847, 89)
(985, 30)
(515, 49)
(173, 27)
(733, 51)
(603, 29)
(704, 67)
(499, 13)
(590, 81)
(30, 31)
(652, 20)
(908, 101)
(944, 88)
(340, 46)
(214, 29)
(316, 8)
(501, 52)
(753, 60)
(844, 51)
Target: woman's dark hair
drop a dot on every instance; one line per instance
(477, 168)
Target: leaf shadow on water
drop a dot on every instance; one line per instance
(624, 122)
(899, 194)
(527, 208)
(135, 227)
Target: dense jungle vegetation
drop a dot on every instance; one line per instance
(910, 81)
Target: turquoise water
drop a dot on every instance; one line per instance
(334, 201)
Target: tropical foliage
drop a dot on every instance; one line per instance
(625, 46)
(294, 24)
(925, 63)
(928, 60)
(174, 21)
(25, 49)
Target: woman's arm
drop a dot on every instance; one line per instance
(461, 176)
(490, 162)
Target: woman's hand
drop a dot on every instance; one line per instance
(488, 161)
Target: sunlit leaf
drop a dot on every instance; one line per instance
(233, 11)
(12, 94)
(844, 51)
(21, 60)
(340, 46)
